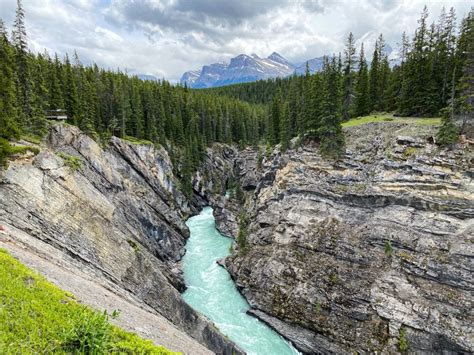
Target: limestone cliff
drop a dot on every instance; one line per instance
(368, 253)
(113, 218)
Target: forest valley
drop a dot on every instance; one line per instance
(435, 77)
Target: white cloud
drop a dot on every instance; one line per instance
(167, 37)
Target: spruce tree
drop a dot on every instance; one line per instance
(285, 127)
(274, 120)
(348, 85)
(465, 102)
(362, 99)
(9, 128)
(71, 98)
(22, 69)
(330, 131)
(374, 78)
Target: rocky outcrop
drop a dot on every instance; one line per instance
(364, 254)
(115, 212)
(211, 182)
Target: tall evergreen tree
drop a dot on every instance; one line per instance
(362, 99)
(330, 131)
(285, 126)
(71, 98)
(374, 78)
(22, 69)
(274, 120)
(8, 103)
(348, 85)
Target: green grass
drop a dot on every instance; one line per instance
(385, 117)
(36, 317)
(137, 140)
(7, 150)
(73, 162)
(32, 138)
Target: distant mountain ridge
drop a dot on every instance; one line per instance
(247, 68)
(241, 69)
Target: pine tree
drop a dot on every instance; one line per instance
(330, 132)
(314, 102)
(22, 69)
(383, 74)
(285, 127)
(348, 85)
(465, 102)
(374, 78)
(39, 98)
(274, 120)
(448, 132)
(418, 68)
(8, 103)
(402, 103)
(362, 100)
(56, 98)
(71, 98)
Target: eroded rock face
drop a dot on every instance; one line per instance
(359, 254)
(119, 215)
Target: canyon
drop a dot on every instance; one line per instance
(365, 253)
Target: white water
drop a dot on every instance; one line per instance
(212, 292)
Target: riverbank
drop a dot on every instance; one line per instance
(212, 292)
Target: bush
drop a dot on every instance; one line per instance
(73, 162)
(388, 248)
(402, 340)
(242, 234)
(88, 332)
(134, 245)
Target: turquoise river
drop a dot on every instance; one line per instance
(212, 292)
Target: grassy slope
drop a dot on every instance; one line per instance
(38, 317)
(384, 117)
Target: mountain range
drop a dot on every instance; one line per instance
(246, 68)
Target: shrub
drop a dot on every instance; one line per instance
(408, 152)
(73, 162)
(388, 248)
(448, 133)
(242, 234)
(402, 340)
(89, 332)
(133, 245)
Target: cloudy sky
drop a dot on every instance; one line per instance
(167, 37)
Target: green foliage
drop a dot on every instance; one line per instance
(72, 161)
(388, 249)
(7, 150)
(385, 117)
(35, 139)
(136, 140)
(408, 152)
(242, 234)
(239, 193)
(448, 133)
(134, 245)
(333, 278)
(402, 340)
(38, 317)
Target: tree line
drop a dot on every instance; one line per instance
(104, 103)
(433, 76)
